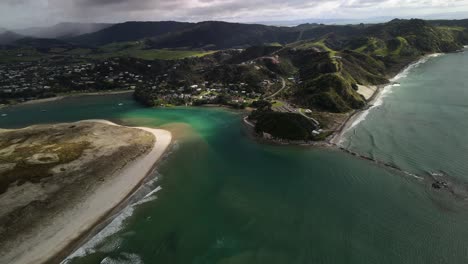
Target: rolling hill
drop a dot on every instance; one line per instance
(329, 60)
(63, 30)
(217, 35)
(129, 31)
(222, 35)
(8, 37)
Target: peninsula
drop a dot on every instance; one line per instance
(58, 181)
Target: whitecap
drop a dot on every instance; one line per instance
(149, 197)
(90, 247)
(125, 258)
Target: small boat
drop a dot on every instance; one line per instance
(120, 104)
(43, 110)
(3, 115)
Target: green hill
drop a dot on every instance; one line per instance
(8, 37)
(327, 61)
(129, 31)
(221, 35)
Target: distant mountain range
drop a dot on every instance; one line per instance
(58, 31)
(368, 20)
(63, 30)
(208, 35)
(130, 31)
(7, 37)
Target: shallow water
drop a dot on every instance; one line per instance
(228, 199)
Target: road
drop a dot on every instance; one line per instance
(279, 91)
(286, 108)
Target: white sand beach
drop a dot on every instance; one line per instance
(367, 91)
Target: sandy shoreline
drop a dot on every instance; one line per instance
(337, 135)
(368, 91)
(81, 218)
(61, 97)
(336, 138)
(372, 94)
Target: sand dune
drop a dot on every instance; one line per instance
(79, 217)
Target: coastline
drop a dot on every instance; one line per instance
(97, 207)
(250, 127)
(359, 115)
(354, 118)
(335, 138)
(61, 97)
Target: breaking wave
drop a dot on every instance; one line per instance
(115, 226)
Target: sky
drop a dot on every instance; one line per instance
(27, 13)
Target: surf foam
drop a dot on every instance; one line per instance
(115, 226)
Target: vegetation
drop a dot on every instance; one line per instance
(32, 169)
(27, 51)
(283, 125)
(328, 68)
(235, 64)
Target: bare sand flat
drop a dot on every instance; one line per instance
(41, 217)
(61, 97)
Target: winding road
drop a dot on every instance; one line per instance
(279, 91)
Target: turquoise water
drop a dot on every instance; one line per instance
(227, 199)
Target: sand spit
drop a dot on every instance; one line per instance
(61, 97)
(41, 217)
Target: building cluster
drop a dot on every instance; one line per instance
(21, 77)
(29, 80)
(204, 91)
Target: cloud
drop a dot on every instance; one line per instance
(37, 12)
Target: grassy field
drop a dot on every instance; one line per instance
(20, 55)
(277, 104)
(127, 49)
(274, 44)
(452, 28)
(140, 51)
(320, 44)
(155, 54)
(378, 47)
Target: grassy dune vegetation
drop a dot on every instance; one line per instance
(33, 162)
